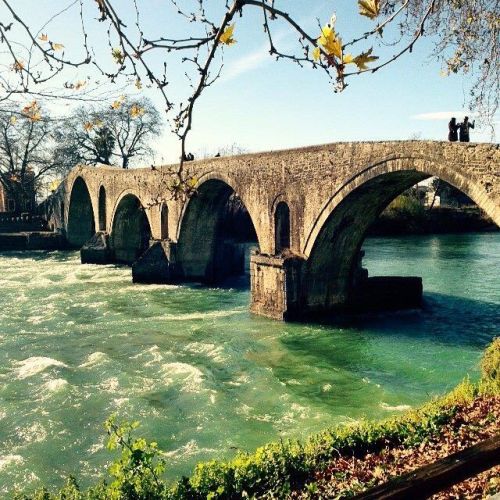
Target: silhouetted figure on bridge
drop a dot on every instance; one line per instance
(453, 127)
(464, 129)
(188, 157)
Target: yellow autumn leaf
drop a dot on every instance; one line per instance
(54, 184)
(118, 103)
(227, 36)
(57, 46)
(43, 37)
(98, 123)
(336, 48)
(364, 58)
(316, 53)
(18, 66)
(331, 43)
(13, 120)
(136, 111)
(32, 111)
(118, 56)
(80, 84)
(88, 126)
(369, 8)
(347, 59)
(138, 83)
(327, 33)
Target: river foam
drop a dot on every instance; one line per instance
(34, 365)
(190, 377)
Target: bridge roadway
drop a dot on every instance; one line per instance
(310, 209)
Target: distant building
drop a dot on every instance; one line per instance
(20, 196)
(427, 196)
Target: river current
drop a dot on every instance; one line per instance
(205, 377)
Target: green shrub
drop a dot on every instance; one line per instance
(405, 205)
(490, 364)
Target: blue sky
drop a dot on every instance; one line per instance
(261, 104)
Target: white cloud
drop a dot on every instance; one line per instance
(247, 63)
(255, 59)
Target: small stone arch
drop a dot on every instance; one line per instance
(81, 222)
(131, 230)
(282, 226)
(202, 250)
(102, 209)
(164, 234)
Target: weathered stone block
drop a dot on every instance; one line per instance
(275, 285)
(96, 250)
(157, 264)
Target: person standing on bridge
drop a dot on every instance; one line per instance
(464, 129)
(453, 127)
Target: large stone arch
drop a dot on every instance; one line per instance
(203, 253)
(331, 270)
(131, 230)
(456, 176)
(81, 220)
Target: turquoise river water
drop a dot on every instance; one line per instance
(204, 377)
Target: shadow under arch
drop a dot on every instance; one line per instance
(282, 239)
(131, 231)
(81, 220)
(206, 252)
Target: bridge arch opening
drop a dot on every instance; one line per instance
(81, 222)
(332, 274)
(131, 231)
(214, 234)
(164, 222)
(333, 269)
(102, 209)
(282, 227)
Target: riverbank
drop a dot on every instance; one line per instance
(338, 462)
(440, 220)
(31, 240)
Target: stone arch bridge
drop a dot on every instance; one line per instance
(310, 209)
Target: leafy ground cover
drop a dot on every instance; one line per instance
(336, 463)
(473, 422)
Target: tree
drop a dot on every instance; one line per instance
(464, 33)
(448, 193)
(26, 151)
(114, 134)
